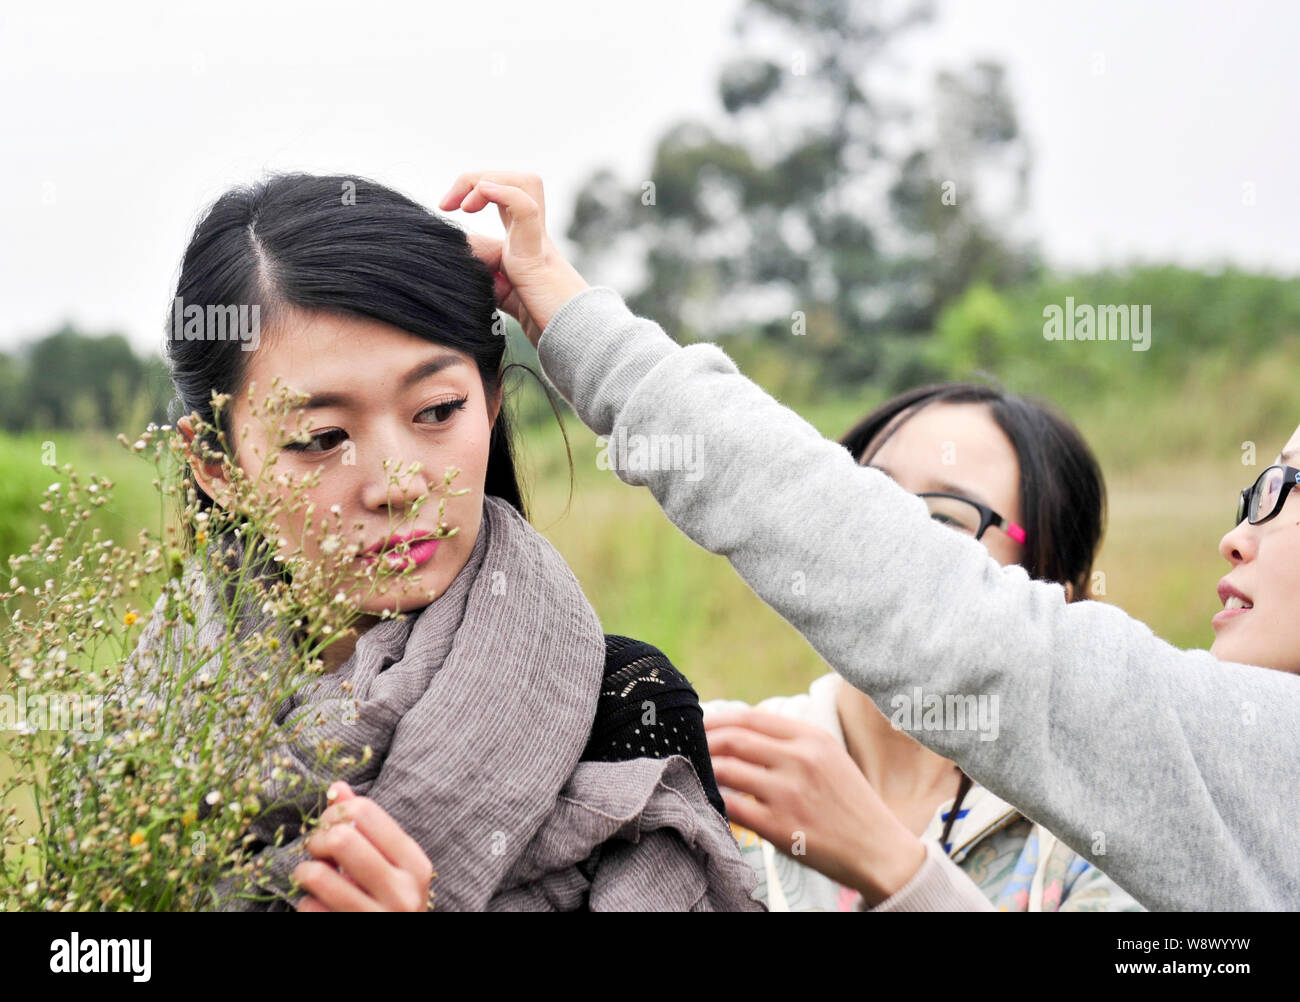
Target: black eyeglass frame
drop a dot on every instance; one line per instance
(988, 516)
(1290, 478)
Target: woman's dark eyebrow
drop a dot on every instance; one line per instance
(946, 487)
(422, 371)
(429, 368)
(942, 487)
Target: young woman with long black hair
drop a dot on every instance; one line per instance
(1110, 737)
(491, 739)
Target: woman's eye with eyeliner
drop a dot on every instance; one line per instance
(321, 441)
(444, 411)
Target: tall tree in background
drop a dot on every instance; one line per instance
(826, 202)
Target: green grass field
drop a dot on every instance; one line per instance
(1159, 559)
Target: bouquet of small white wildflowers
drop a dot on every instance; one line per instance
(146, 687)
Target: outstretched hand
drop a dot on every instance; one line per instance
(533, 280)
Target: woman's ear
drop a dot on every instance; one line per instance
(494, 403)
(211, 475)
(1069, 591)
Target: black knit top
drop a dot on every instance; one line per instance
(648, 709)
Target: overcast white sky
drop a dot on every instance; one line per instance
(119, 123)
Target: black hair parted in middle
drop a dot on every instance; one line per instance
(343, 244)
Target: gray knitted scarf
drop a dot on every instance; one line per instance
(476, 711)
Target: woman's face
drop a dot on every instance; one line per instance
(375, 393)
(1262, 628)
(957, 449)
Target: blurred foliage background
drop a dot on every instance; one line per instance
(841, 242)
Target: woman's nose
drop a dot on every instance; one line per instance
(395, 485)
(1238, 544)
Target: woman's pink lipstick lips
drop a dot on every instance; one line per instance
(418, 553)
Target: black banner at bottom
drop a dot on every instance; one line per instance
(146, 952)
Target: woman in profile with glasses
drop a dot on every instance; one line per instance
(1019, 478)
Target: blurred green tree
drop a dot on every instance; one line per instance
(71, 380)
(826, 204)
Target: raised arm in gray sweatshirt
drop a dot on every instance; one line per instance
(1175, 773)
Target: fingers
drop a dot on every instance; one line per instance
(749, 745)
(345, 846)
(332, 890)
(519, 200)
(383, 833)
(535, 281)
(486, 249)
(520, 215)
(770, 724)
(365, 861)
(465, 184)
(749, 813)
(743, 777)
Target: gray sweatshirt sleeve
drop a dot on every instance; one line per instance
(1175, 773)
(938, 886)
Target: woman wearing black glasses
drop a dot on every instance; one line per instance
(1264, 551)
(1109, 736)
(869, 801)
